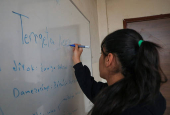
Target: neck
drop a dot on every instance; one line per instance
(114, 78)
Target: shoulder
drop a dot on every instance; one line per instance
(157, 108)
(137, 111)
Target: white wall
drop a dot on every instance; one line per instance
(117, 10)
(102, 19)
(112, 12)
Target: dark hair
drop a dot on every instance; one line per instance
(140, 67)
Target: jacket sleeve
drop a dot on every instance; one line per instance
(86, 82)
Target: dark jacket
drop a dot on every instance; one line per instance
(91, 88)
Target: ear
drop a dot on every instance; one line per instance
(109, 59)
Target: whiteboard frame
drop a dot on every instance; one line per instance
(89, 31)
(79, 10)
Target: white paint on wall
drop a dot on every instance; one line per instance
(102, 19)
(118, 10)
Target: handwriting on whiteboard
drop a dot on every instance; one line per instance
(47, 113)
(44, 40)
(66, 99)
(22, 67)
(57, 1)
(43, 88)
(1, 112)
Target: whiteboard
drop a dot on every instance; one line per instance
(36, 68)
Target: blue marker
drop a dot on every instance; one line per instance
(80, 46)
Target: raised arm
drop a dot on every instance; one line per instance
(87, 83)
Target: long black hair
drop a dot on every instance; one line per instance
(140, 67)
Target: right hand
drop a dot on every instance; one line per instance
(76, 54)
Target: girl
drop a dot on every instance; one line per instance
(132, 70)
